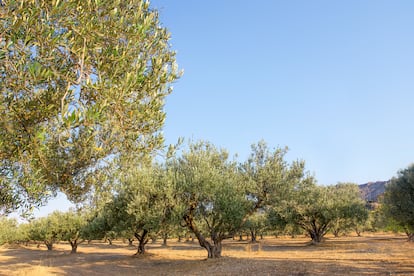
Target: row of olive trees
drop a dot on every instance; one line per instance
(204, 192)
(190, 193)
(394, 212)
(58, 226)
(214, 197)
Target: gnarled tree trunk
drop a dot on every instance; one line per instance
(49, 245)
(214, 248)
(74, 245)
(358, 231)
(316, 235)
(142, 241)
(410, 236)
(336, 232)
(253, 232)
(164, 239)
(317, 231)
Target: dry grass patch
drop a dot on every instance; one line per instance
(379, 254)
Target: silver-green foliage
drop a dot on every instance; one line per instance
(320, 209)
(81, 82)
(142, 206)
(399, 200)
(211, 195)
(8, 230)
(218, 195)
(57, 226)
(349, 209)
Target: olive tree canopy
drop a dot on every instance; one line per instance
(81, 83)
(399, 200)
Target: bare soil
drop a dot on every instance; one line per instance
(372, 254)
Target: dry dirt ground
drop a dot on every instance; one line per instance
(372, 254)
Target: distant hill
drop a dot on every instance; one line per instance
(372, 190)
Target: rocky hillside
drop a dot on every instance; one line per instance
(372, 190)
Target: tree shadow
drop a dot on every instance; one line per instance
(272, 258)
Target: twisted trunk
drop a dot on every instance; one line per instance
(74, 244)
(358, 231)
(410, 235)
(164, 239)
(214, 248)
(336, 232)
(142, 241)
(316, 231)
(49, 245)
(253, 232)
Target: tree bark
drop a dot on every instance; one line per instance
(142, 241)
(316, 231)
(74, 245)
(253, 239)
(214, 248)
(49, 245)
(410, 237)
(164, 239)
(316, 236)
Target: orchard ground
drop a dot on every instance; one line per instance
(372, 254)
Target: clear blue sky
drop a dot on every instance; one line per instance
(332, 80)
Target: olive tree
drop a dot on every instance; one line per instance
(273, 183)
(70, 228)
(320, 209)
(143, 206)
(313, 210)
(271, 179)
(399, 200)
(256, 225)
(8, 230)
(58, 226)
(217, 195)
(349, 209)
(94, 228)
(82, 83)
(44, 230)
(211, 196)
